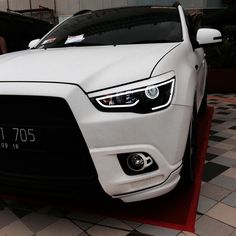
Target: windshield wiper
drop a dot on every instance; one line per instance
(84, 44)
(81, 44)
(152, 41)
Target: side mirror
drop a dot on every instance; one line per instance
(34, 43)
(208, 36)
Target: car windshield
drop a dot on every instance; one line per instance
(133, 25)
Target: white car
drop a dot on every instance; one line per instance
(107, 100)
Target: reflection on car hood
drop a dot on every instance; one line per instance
(92, 68)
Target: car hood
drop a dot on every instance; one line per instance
(92, 68)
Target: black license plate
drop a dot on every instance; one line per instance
(20, 138)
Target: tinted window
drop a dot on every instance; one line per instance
(118, 26)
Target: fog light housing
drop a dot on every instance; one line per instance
(137, 163)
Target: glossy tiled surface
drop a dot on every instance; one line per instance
(216, 209)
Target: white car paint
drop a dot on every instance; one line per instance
(206, 35)
(77, 74)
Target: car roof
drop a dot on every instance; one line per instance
(101, 11)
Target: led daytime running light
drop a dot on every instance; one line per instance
(151, 97)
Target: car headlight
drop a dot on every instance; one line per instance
(141, 100)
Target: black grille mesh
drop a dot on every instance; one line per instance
(62, 160)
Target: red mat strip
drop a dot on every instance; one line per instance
(204, 126)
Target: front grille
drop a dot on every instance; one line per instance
(60, 154)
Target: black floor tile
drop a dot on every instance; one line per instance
(223, 113)
(217, 138)
(212, 170)
(58, 212)
(199, 213)
(2, 206)
(136, 233)
(20, 213)
(218, 121)
(212, 132)
(222, 108)
(210, 156)
(25, 206)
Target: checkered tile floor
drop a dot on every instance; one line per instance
(217, 205)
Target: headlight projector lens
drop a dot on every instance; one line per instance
(152, 92)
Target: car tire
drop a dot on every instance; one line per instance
(189, 160)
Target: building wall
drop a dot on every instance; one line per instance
(68, 7)
(99, 4)
(45, 3)
(18, 5)
(3, 5)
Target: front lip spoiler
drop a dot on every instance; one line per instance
(144, 189)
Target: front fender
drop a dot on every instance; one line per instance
(182, 62)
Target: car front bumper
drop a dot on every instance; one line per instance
(160, 134)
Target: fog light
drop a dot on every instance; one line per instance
(138, 161)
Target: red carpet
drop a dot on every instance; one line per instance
(176, 209)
